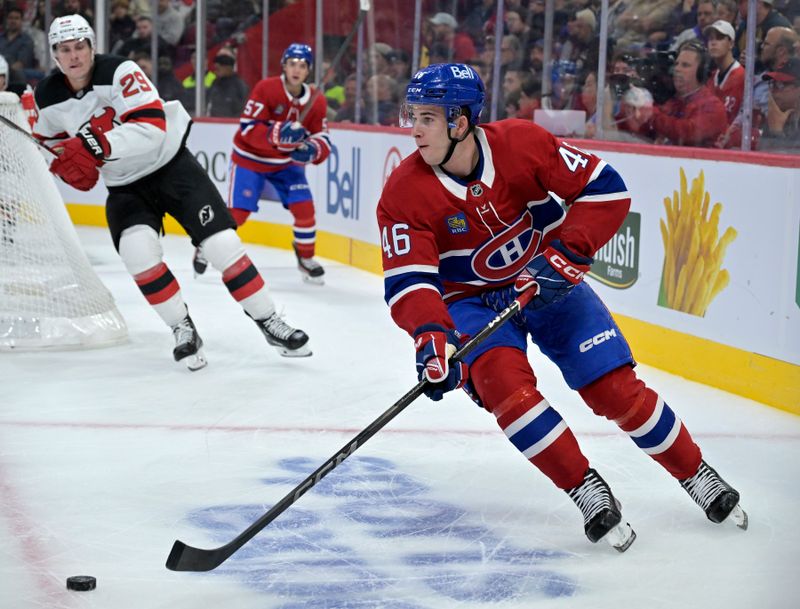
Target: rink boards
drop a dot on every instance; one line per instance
(732, 322)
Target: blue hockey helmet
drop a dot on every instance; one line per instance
(450, 85)
(297, 50)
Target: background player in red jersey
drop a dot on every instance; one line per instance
(104, 116)
(273, 145)
(467, 223)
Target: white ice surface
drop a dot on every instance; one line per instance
(107, 456)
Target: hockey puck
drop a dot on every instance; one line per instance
(81, 583)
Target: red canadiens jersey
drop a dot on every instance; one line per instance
(143, 132)
(445, 238)
(730, 89)
(271, 101)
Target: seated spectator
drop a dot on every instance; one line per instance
(170, 23)
(15, 45)
(582, 44)
(169, 87)
(776, 49)
(444, 32)
(727, 79)
(121, 24)
(706, 14)
(399, 68)
(635, 109)
(511, 104)
(347, 110)
(74, 7)
(515, 21)
(766, 19)
(728, 10)
(564, 94)
(381, 100)
(530, 96)
(636, 23)
(694, 116)
(190, 86)
(589, 103)
(228, 93)
(782, 129)
(378, 58)
(141, 40)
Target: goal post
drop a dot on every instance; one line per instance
(49, 295)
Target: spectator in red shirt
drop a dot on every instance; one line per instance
(694, 116)
(444, 32)
(727, 79)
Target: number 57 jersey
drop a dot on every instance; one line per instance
(445, 238)
(144, 133)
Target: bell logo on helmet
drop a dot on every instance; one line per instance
(460, 71)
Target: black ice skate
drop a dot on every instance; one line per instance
(289, 341)
(188, 345)
(717, 498)
(310, 269)
(199, 262)
(601, 512)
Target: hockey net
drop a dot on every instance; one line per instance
(49, 295)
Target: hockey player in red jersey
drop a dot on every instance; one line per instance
(271, 148)
(104, 117)
(467, 223)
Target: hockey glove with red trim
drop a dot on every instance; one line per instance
(286, 135)
(555, 271)
(309, 152)
(435, 345)
(76, 165)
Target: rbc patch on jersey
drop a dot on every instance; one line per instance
(457, 224)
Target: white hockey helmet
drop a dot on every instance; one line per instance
(69, 27)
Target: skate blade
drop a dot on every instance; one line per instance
(303, 351)
(739, 517)
(196, 362)
(621, 537)
(313, 280)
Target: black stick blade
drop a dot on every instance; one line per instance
(187, 558)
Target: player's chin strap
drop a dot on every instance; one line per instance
(453, 143)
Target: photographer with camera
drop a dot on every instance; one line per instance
(694, 116)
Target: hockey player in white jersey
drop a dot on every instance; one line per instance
(104, 117)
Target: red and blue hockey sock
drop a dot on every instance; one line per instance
(507, 387)
(304, 228)
(638, 410)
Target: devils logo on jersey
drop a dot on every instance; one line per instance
(103, 123)
(206, 215)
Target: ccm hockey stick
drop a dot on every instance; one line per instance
(365, 6)
(9, 123)
(187, 558)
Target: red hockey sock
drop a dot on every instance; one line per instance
(304, 229)
(638, 410)
(507, 387)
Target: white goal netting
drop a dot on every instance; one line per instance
(49, 295)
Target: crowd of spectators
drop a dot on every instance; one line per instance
(675, 68)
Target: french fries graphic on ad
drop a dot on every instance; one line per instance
(692, 275)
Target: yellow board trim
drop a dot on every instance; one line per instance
(764, 379)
